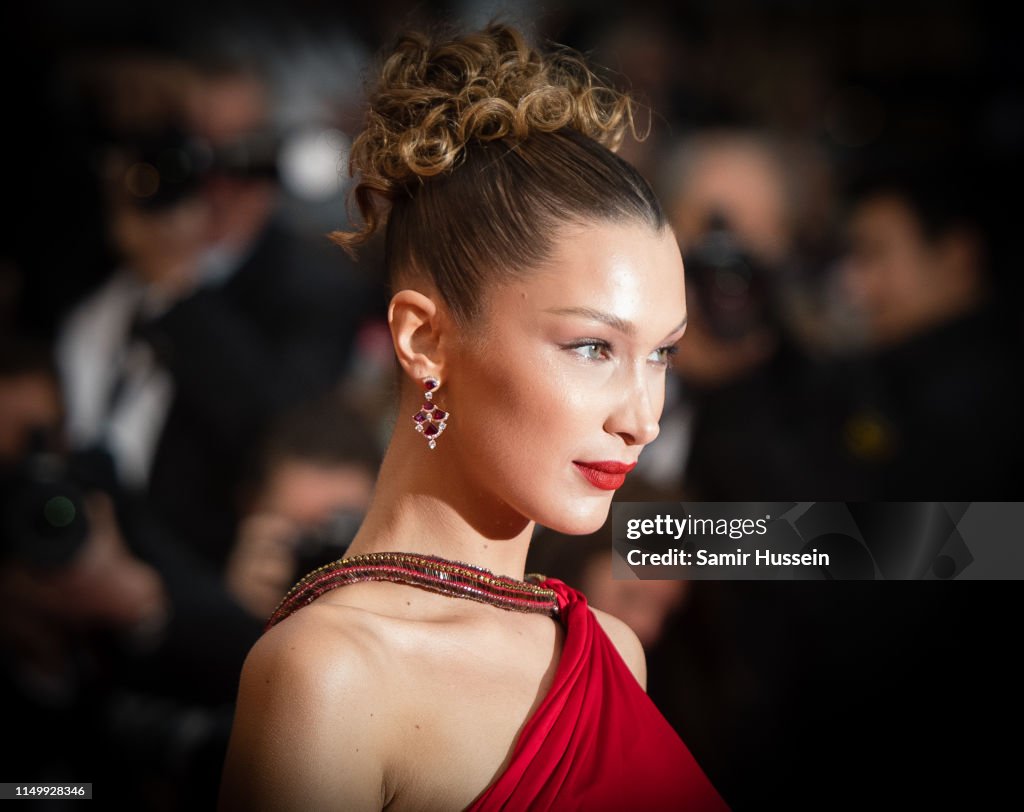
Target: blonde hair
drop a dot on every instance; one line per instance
(476, 147)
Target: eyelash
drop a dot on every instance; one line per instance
(669, 349)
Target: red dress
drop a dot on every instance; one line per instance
(597, 742)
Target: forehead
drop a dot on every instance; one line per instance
(630, 270)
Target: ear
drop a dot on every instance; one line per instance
(417, 324)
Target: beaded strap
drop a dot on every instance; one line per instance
(431, 572)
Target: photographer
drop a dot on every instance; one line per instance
(218, 317)
(65, 564)
(112, 633)
(935, 388)
(749, 390)
(310, 486)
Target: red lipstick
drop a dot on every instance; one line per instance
(607, 475)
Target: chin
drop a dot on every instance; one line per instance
(582, 522)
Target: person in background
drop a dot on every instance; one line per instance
(219, 317)
(111, 631)
(745, 406)
(935, 396)
(303, 501)
(65, 563)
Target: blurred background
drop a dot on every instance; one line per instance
(195, 385)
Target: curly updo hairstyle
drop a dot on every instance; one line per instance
(477, 150)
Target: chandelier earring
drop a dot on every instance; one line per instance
(431, 419)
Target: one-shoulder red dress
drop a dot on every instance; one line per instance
(597, 742)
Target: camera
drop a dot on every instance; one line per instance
(327, 543)
(733, 289)
(43, 522)
(164, 167)
(167, 166)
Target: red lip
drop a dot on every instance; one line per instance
(607, 475)
(610, 467)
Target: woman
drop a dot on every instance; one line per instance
(538, 296)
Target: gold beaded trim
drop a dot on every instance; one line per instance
(452, 578)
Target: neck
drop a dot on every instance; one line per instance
(425, 502)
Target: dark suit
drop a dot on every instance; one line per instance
(280, 330)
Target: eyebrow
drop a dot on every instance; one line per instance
(623, 326)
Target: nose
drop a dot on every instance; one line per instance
(637, 409)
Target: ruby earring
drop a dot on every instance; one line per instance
(431, 419)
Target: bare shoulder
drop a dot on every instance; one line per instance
(627, 644)
(313, 652)
(304, 734)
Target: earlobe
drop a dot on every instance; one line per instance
(414, 320)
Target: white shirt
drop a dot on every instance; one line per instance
(94, 349)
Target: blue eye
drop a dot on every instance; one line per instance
(594, 351)
(664, 354)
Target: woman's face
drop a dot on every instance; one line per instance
(567, 372)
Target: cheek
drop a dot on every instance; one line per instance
(513, 404)
(521, 423)
(658, 396)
